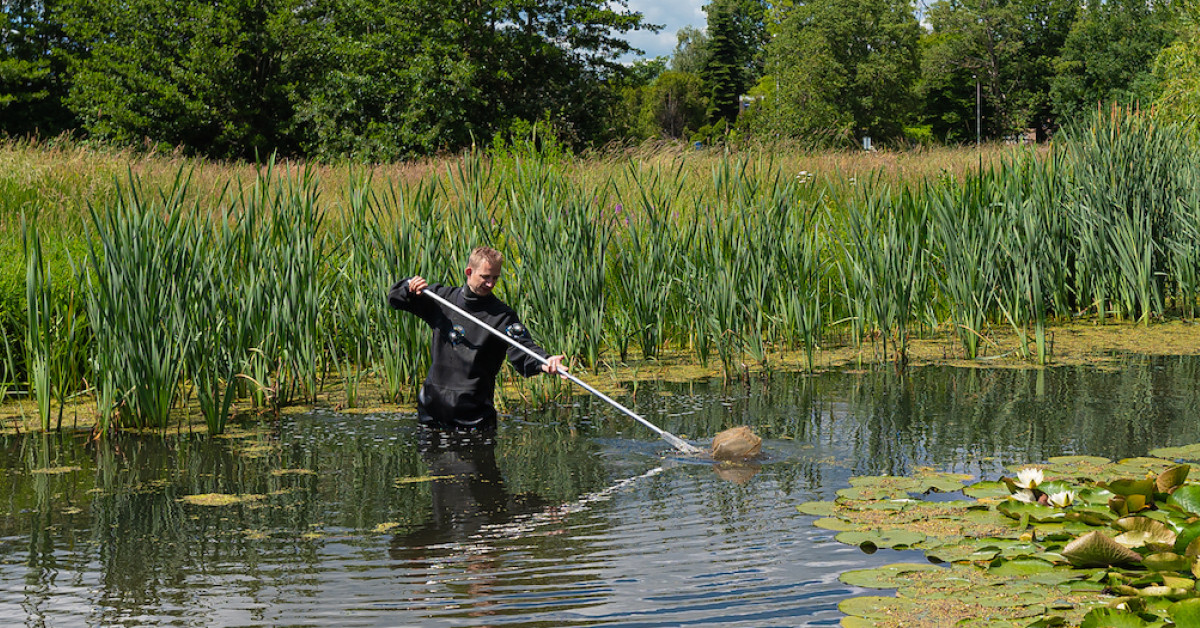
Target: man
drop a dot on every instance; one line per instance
(459, 389)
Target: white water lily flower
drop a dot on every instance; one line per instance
(1024, 495)
(1062, 499)
(1029, 477)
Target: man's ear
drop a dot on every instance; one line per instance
(468, 272)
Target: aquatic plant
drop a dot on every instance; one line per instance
(140, 279)
(1107, 541)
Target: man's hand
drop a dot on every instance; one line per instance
(417, 285)
(554, 365)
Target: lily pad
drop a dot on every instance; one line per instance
(1167, 561)
(886, 577)
(1186, 452)
(983, 490)
(1189, 533)
(835, 524)
(1094, 549)
(881, 538)
(876, 607)
(1142, 531)
(818, 509)
(1186, 498)
(1112, 618)
(1019, 567)
(1172, 478)
(1185, 612)
(1017, 510)
(1129, 487)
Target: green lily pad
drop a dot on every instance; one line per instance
(1094, 549)
(1184, 538)
(835, 524)
(818, 509)
(984, 490)
(873, 487)
(881, 538)
(1019, 567)
(1186, 452)
(969, 549)
(886, 577)
(1167, 561)
(941, 482)
(1185, 612)
(1112, 618)
(1090, 515)
(876, 607)
(1035, 512)
(1128, 487)
(1186, 498)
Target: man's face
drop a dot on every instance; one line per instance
(482, 277)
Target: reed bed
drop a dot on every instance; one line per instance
(260, 286)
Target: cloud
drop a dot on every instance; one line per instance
(672, 15)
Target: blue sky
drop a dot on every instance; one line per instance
(673, 15)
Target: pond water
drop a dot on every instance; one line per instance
(575, 516)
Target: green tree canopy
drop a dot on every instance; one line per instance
(210, 77)
(1009, 45)
(674, 105)
(1108, 56)
(733, 53)
(841, 66)
(1178, 71)
(33, 77)
(416, 76)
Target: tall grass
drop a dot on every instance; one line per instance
(141, 280)
(250, 294)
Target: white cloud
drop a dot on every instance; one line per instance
(672, 15)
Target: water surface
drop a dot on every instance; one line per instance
(575, 516)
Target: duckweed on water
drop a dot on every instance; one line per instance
(219, 499)
(1122, 548)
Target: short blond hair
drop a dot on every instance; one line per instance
(483, 254)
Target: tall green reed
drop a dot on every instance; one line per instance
(798, 293)
(140, 280)
(883, 246)
(560, 241)
(39, 316)
(1129, 173)
(966, 222)
(645, 258)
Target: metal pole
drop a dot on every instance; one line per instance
(675, 441)
(978, 108)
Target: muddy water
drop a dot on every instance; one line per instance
(574, 516)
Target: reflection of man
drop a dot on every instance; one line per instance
(467, 493)
(459, 389)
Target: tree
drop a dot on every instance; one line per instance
(418, 76)
(1177, 68)
(1108, 55)
(1009, 46)
(690, 50)
(841, 66)
(33, 77)
(732, 55)
(674, 105)
(206, 76)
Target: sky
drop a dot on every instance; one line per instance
(672, 15)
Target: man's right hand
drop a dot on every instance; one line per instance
(417, 285)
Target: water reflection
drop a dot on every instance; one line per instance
(572, 516)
